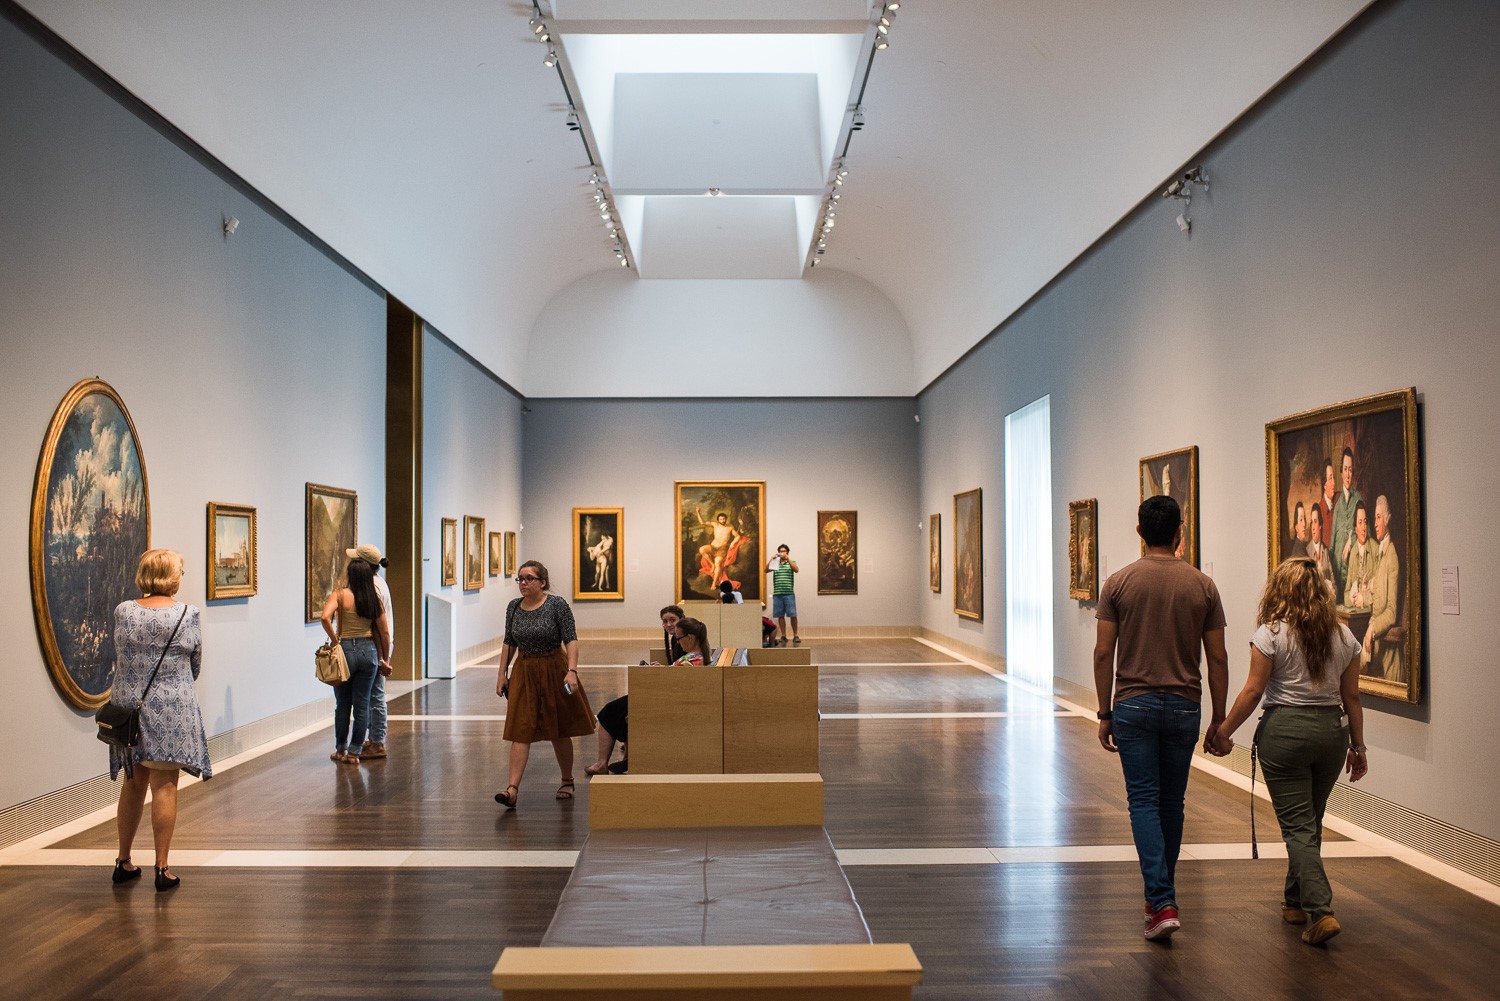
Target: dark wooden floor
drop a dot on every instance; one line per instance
(1029, 777)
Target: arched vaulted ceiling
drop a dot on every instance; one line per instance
(428, 144)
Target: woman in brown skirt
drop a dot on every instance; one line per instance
(545, 699)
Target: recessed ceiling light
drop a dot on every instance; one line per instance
(551, 59)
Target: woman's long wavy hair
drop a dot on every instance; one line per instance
(362, 585)
(1297, 595)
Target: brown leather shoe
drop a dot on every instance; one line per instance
(1322, 930)
(371, 750)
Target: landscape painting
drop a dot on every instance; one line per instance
(232, 570)
(473, 553)
(332, 521)
(90, 523)
(449, 537)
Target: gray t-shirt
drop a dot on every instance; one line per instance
(1291, 683)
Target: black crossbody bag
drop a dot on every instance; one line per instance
(120, 726)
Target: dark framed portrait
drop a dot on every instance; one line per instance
(598, 552)
(838, 552)
(90, 523)
(1175, 474)
(721, 531)
(968, 554)
(935, 553)
(1083, 549)
(449, 538)
(232, 557)
(332, 527)
(1343, 489)
(510, 554)
(473, 553)
(495, 555)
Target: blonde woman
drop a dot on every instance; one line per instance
(1306, 664)
(156, 628)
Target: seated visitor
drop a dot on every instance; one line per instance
(612, 717)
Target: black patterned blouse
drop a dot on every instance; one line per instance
(542, 630)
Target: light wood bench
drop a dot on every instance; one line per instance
(730, 859)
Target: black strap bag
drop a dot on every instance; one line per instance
(120, 726)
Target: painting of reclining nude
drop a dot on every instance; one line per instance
(721, 530)
(1344, 492)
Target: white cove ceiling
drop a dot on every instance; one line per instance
(426, 143)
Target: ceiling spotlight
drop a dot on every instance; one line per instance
(573, 125)
(538, 27)
(813, 263)
(858, 121)
(893, 5)
(714, 192)
(883, 43)
(551, 59)
(884, 27)
(624, 262)
(594, 178)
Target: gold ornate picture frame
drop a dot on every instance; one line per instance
(474, 534)
(510, 554)
(721, 531)
(332, 525)
(838, 552)
(448, 536)
(1083, 549)
(598, 553)
(935, 553)
(232, 554)
(968, 554)
(90, 523)
(1362, 459)
(1175, 474)
(495, 553)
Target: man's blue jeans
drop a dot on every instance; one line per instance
(1156, 734)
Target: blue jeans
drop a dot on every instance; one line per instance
(377, 710)
(354, 694)
(783, 605)
(1156, 734)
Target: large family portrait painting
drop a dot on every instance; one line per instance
(1343, 490)
(598, 548)
(721, 531)
(1175, 474)
(90, 522)
(968, 555)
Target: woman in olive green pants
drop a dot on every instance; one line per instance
(1307, 666)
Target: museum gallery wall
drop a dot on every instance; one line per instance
(202, 338)
(1290, 295)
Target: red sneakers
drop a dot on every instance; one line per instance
(1161, 923)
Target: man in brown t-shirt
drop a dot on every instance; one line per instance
(1154, 617)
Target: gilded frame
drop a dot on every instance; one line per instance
(1380, 433)
(838, 552)
(744, 504)
(331, 530)
(1083, 549)
(473, 553)
(968, 554)
(448, 542)
(935, 553)
(215, 559)
(495, 553)
(1182, 461)
(593, 561)
(94, 691)
(510, 554)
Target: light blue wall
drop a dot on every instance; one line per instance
(1350, 245)
(250, 365)
(471, 465)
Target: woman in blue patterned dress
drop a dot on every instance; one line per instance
(172, 737)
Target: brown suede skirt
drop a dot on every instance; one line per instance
(538, 708)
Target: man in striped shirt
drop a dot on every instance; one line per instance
(783, 601)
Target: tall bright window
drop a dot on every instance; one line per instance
(1028, 543)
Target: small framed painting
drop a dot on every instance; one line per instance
(473, 553)
(1083, 549)
(968, 554)
(510, 554)
(496, 553)
(598, 546)
(232, 560)
(935, 553)
(332, 519)
(450, 551)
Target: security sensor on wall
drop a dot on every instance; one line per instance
(230, 225)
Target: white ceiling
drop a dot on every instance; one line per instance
(426, 143)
